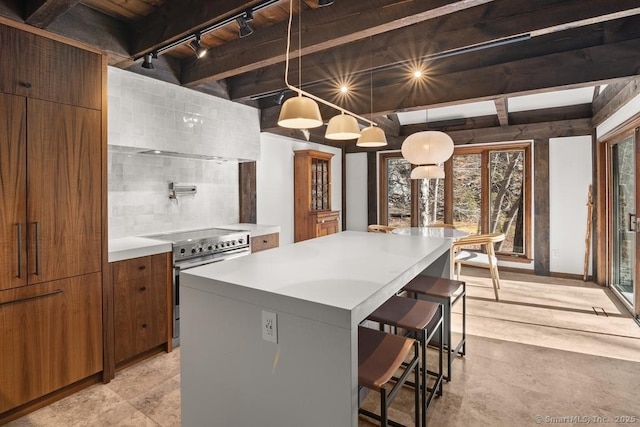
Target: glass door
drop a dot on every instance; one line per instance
(624, 224)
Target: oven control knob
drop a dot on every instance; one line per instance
(193, 251)
(199, 249)
(240, 241)
(210, 248)
(182, 251)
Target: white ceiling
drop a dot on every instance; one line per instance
(539, 101)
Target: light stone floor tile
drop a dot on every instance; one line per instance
(539, 352)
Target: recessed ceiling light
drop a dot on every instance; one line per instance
(344, 89)
(417, 73)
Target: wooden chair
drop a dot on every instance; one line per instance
(379, 228)
(478, 259)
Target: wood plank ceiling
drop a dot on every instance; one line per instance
(469, 50)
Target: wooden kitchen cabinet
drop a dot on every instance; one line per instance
(52, 216)
(142, 305)
(264, 242)
(50, 336)
(312, 195)
(42, 68)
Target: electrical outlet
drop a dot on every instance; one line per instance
(270, 327)
(555, 254)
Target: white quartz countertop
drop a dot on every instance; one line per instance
(134, 247)
(253, 229)
(339, 279)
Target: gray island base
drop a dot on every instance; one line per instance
(234, 375)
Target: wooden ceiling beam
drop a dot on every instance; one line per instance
(492, 78)
(501, 104)
(177, 19)
(41, 13)
(605, 106)
(558, 129)
(324, 28)
(482, 24)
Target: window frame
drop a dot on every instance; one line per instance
(484, 150)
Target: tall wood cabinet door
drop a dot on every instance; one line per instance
(14, 69)
(50, 337)
(64, 188)
(13, 191)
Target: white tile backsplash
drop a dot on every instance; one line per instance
(139, 194)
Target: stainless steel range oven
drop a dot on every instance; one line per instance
(194, 248)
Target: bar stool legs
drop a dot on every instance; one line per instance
(423, 320)
(379, 356)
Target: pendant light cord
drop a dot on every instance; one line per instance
(301, 92)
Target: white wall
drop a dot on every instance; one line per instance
(570, 173)
(274, 186)
(356, 188)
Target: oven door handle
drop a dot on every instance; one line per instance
(185, 265)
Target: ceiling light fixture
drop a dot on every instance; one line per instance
(197, 47)
(245, 30)
(219, 24)
(302, 111)
(427, 150)
(147, 61)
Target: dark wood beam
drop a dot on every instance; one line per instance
(497, 20)
(96, 29)
(372, 188)
(343, 22)
(549, 72)
(556, 114)
(610, 101)
(12, 9)
(390, 127)
(177, 19)
(532, 131)
(248, 212)
(502, 110)
(541, 216)
(41, 13)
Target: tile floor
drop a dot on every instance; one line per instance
(538, 355)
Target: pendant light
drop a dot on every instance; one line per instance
(342, 127)
(371, 136)
(298, 112)
(427, 149)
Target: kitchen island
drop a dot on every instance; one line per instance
(320, 290)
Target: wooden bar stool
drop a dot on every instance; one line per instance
(380, 355)
(443, 291)
(423, 318)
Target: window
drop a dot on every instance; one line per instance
(490, 192)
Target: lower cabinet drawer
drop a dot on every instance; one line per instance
(140, 305)
(267, 241)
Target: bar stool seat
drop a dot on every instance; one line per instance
(423, 318)
(380, 355)
(443, 291)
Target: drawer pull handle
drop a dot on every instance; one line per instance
(19, 226)
(144, 326)
(142, 267)
(144, 288)
(265, 241)
(48, 294)
(37, 242)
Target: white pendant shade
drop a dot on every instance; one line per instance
(427, 148)
(372, 136)
(300, 112)
(427, 172)
(342, 127)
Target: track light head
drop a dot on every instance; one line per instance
(146, 62)
(322, 3)
(280, 98)
(245, 29)
(197, 47)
